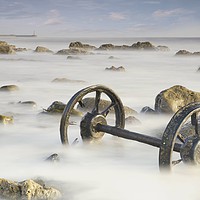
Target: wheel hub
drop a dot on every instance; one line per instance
(190, 150)
(88, 124)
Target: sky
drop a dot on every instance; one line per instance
(101, 18)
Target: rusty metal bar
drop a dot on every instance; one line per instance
(133, 136)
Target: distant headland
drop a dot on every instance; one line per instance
(18, 35)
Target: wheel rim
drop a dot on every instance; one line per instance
(175, 132)
(115, 103)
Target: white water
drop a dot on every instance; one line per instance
(116, 169)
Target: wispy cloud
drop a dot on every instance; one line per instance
(117, 16)
(54, 18)
(169, 13)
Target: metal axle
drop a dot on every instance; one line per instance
(133, 136)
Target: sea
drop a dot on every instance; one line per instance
(114, 168)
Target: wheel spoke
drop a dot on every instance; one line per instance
(107, 110)
(82, 105)
(194, 121)
(181, 138)
(97, 101)
(175, 162)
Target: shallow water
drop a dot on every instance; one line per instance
(116, 168)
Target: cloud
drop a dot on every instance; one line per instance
(54, 18)
(116, 16)
(170, 13)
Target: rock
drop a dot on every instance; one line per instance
(72, 52)
(53, 158)
(174, 98)
(132, 120)
(3, 43)
(6, 49)
(143, 46)
(106, 47)
(73, 58)
(9, 88)
(196, 53)
(88, 104)
(183, 53)
(40, 49)
(162, 48)
(66, 80)
(79, 45)
(57, 107)
(6, 119)
(19, 49)
(113, 68)
(28, 103)
(27, 190)
(147, 110)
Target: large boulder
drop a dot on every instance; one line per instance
(27, 190)
(174, 98)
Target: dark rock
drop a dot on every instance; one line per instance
(53, 158)
(183, 53)
(106, 47)
(117, 69)
(147, 110)
(143, 46)
(79, 45)
(73, 58)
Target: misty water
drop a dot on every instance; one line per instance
(115, 168)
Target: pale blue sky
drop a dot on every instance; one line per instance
(107, 18)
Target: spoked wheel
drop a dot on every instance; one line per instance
(182, 134)
(94, 110)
